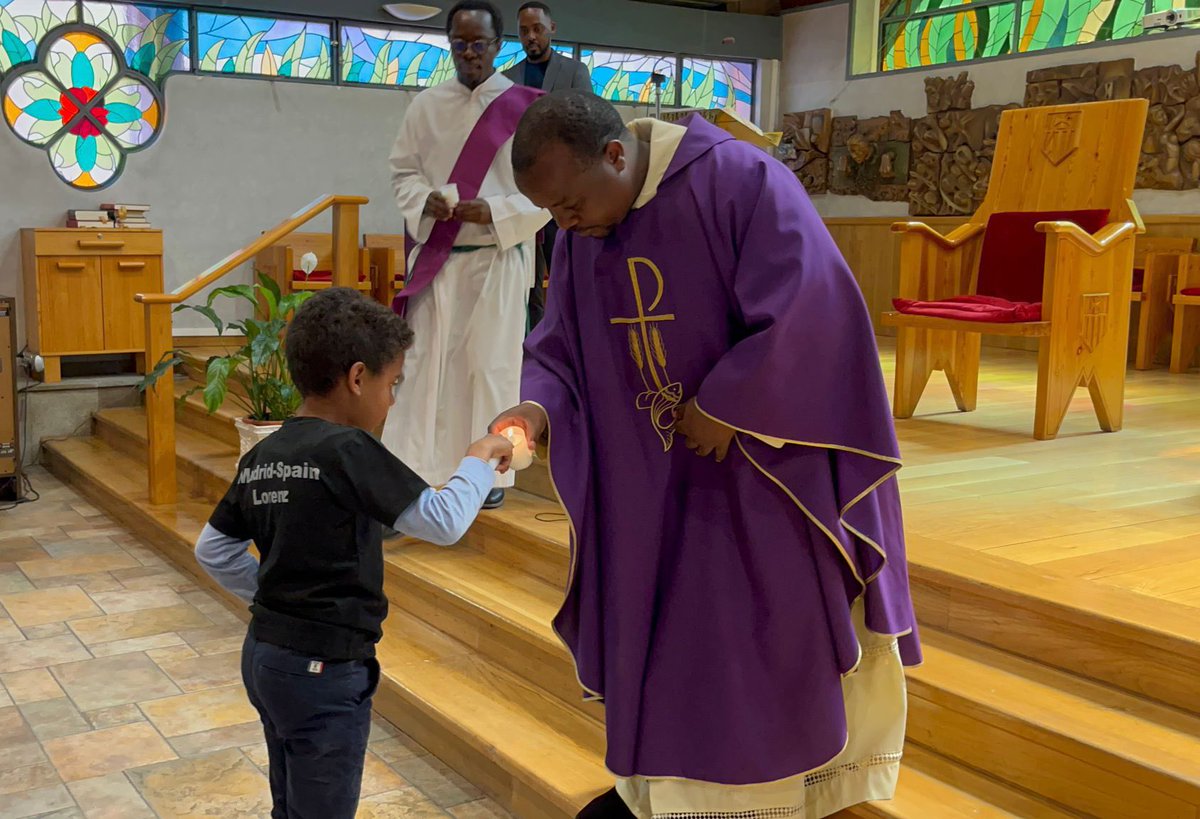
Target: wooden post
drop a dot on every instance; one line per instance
(160, 407)
(345, 245)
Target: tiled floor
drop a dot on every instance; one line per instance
(120, 694)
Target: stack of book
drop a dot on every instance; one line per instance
(90, 219)
(111, 216)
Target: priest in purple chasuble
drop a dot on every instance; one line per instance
(470, 276)
(707, 381)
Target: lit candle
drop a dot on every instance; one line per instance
(522, 454)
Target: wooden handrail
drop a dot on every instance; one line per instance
(232, 261)
(160, 399)
(956, 238)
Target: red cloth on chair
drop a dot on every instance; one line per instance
(1190, 291)
(1012, 261)
(319, 276)
(973, 308)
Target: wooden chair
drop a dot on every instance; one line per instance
(1157, 261)
(281, 262)
(1076, 159)
(1187, 316)
(388, 259)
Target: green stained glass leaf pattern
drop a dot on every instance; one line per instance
(24, 24)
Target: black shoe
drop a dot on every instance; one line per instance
(495, 499)
(608, 805)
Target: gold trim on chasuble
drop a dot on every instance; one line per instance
(661, 395)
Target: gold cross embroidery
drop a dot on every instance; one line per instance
(661, 395)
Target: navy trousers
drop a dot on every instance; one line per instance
(316, 717)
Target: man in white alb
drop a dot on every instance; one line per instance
(470, 276)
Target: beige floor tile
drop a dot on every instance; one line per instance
(46, 630)
(378, 777)
(40, 802)
(14, 581)
(19, 747)
(94, 582)
(110, 797)
(200, 672)
(28, 778)
(257, 753)
(435, 779)
(398, 748)
(153, 577)
(51, 719)
(84, 564)
(483, 809)
(99, 753)
(405, 803)
(133, 624)
(112, 717)
(60, 548)
(10, 633)
(137, 644)
(200, 711)
(117, 602)
(224, 784)
(41, 653)
(218, 739)
(172, 654)
(23, 548)
(36, 608)
(109, 681)
(31, 686)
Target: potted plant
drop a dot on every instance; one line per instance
(258, 367)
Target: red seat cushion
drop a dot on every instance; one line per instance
(1012, 261)
(1139, 279)
(973, 308)
(1190, 291)
(319, 276)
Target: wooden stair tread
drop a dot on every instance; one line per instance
(190, 443)
(1113, 730)
(511, 594)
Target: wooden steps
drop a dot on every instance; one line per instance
(474, 672)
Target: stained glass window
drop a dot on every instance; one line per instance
(156, 40)
(81, 104)
(23, 24)
(718, 84)
(623, 76)
(935, 32)
(389, 56)
(264, 46)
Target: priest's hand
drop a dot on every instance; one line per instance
(704, 436)
(528, 416)
(437, 207)
(477, 211)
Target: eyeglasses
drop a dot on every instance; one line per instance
(477, 47)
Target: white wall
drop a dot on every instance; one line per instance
(815, 47)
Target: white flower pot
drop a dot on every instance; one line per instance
(251, 432)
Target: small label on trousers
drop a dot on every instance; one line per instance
(315, 667)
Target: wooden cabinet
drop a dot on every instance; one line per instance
(79, 288)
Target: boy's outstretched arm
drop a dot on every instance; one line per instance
(442, 516)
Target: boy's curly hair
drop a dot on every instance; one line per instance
(337, 328)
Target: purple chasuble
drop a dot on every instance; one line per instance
(494, 127)
(709, 604)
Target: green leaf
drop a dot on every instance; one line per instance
(321, 69)
(207, 312)
(143, 58)
(235, 291)
(156, 32)
(15, 50)
(170, 358)
(264, 347)
(293, 54)
(379, 72)
(210, 60)
(126, 33)
(443, 71)
(243, 63)
(217, 381)
(617, 88)
(165, 60)
(269, 290)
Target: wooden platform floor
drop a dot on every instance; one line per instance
(1121, 509)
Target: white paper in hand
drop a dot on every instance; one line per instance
(450, 194)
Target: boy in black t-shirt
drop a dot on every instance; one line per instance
(313, 497)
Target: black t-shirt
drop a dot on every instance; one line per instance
(535, 73)
(312, 496)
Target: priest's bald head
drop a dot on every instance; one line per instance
(573, 155)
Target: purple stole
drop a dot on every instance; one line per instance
(495, 127)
